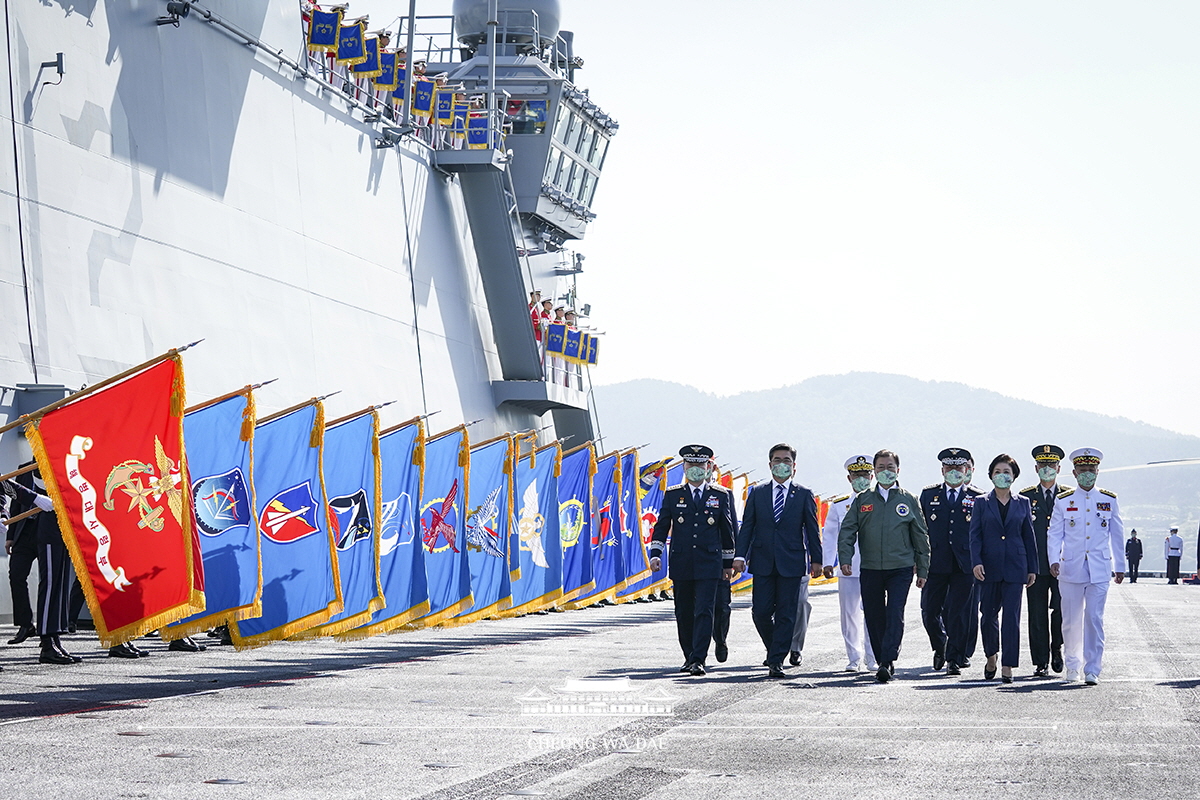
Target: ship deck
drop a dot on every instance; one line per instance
(446, 713)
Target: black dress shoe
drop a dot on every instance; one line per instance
(722, 652)
(698, 669)
(1006, 678)
(1056, 662)
(766, 663)
(141, 651)
(966, 662)
(795, 658)
(23, 633)
(988, 674)
(952, 669)
(687, 667)
(58, 646)
(884, 674)
(124, 650)
(186, 645)
(939, 659)
(53, 655)
(1041, 672)
(776, 671)
(892, 668)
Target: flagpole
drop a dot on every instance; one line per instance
(244, 390)
(21, 471)
(310, 401)
(41, 412)
(366, 410)
(19, 517)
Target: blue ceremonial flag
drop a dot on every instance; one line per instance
(323, 30)
(744, 581)
(637, 564)
(593, 354)
(537, 541)
(401, 556)
(220, 445)
(351, 49)
(477, 132)
(661, 581)
(571, 346)
(489, 517)
(352, 485)
(575, 520)
(444, 110)
(608, 568)
(422, 105)
(651, 485)
(386, 80)
(370, 66)
(401, 90)
(443, 527)
(556, 338)
(301, 588)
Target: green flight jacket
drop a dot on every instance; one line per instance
(890, 535)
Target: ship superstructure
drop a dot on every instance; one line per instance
(184, 171)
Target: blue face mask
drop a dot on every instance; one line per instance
(782, 471)
(954, 477)
(1002, 480)
(886, 477)
(696, 474)
(860, 485)
(1086, 480)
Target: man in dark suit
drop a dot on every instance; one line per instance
(950, 597)
(1133, 554)
(780, 542)
(1043, 599)
(699, 517)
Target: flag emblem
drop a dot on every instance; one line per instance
(439, 522)
(530, 526)
(570, 522)
(126, 477)
(479, 533)
(396, 526)
(291, 515)
(222, 502)
(350, 519)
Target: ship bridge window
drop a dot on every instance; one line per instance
(527, 116)
(560, 124)
(587, 188)
(596, 159)
(587, 141)
(554, 168)
(577, 174)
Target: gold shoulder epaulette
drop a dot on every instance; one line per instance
(1064, 493)
(841, 499)
(1107, 492)
(1028, 489)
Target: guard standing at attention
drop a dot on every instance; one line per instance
(697, 514)
(1133, 554)
(950, 599)
(1084, 545)
(1173, 553)
(1043, 599)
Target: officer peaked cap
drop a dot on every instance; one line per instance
(859, 464)
(954, 456)
(696, 453)
(1086, 456)
(1048, 453)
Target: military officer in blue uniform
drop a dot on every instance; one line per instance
(698, 516)
(1043, 601)
(950, 599)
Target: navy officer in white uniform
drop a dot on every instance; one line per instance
(1085, 545)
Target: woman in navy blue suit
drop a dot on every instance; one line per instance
(1004, 554)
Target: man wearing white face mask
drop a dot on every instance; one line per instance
(1043, 599)
(780, 540)
(1084, 546)
(700, 519)
(950, 599)
(858, 646)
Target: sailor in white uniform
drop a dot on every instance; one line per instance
(1084, 545)
(859, 470)
(1173, 553)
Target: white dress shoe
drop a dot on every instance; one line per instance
(1071, 675)
(852, 667)
(1091, 679)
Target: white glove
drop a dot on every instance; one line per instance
(43, 502)
(3, 530)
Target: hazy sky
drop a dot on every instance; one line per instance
(1002, 194)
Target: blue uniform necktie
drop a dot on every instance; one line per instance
(696, 496)
(953, 496)
(778, 501)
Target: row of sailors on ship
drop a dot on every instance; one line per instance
(543, 314)
(445, 115)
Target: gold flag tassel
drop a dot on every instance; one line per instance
(178, 393)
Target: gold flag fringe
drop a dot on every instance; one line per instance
(390, 625)
(178, 392)
(548, 600)
(450, 611)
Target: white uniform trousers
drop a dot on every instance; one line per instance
(803, 611)
(1083, 624)
(858, 644)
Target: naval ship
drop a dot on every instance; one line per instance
(182, 171)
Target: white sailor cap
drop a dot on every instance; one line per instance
(859, 464)
(1086, 456)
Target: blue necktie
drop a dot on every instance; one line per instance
(778, 501)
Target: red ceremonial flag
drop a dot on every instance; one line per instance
(113, 464)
